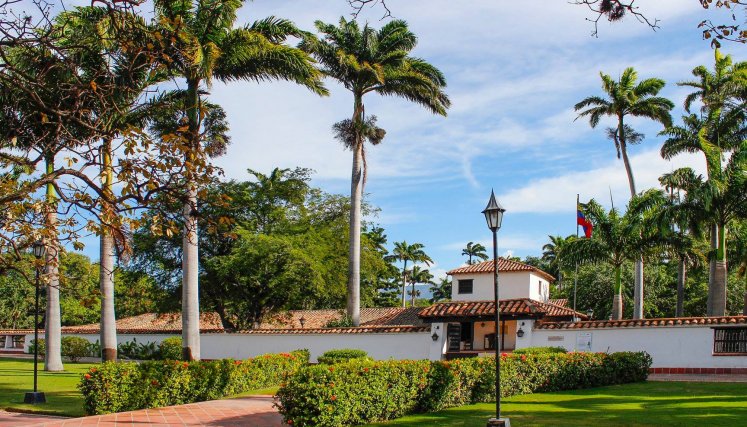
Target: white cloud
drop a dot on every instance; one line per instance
(558, 194)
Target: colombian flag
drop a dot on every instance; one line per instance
(583, 222)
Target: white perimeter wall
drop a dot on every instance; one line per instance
(410, 345)
(512, 285)
(670, 347)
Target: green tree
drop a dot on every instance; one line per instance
(417, 276)
(617, 239)
(441, 291)
(414, 253)
(718, 129)
(626, 97)
(366, 61)
(476, 250)
(204, 45)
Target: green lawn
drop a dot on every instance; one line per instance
(17, 377)
(642, 404)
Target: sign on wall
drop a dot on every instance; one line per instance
(583, 341)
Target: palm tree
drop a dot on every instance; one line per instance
(739, 253)
(717, 130)
(414, 253)
(627, 97)
(366, 61)
(617, 239)
(419, 275)
(677, 231)
(441, 291)
(131, 72)
(203, 44)
(551, 254)
(476, 250)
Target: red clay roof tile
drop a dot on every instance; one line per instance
(504, 265)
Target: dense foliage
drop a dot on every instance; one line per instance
(116, 387)
(75, 348)
(361, 391)
(342, 355)
(540, 350)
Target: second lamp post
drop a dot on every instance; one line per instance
(494, 217)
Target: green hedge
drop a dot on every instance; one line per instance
(116, 387)
(361, 391)
(343, 355)
(540, 350)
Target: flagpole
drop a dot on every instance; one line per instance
(575, 277)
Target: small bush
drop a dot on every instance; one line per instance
(134, 350)
(116, 387)
(332, 357)
(170, 348)
(363, 391)
(74, 348)
(42, 346)
(343, 322)
(540, 350)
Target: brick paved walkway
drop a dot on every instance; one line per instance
(18, 419)
(253, 411)
(707, 378)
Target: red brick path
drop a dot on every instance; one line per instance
(255, 411)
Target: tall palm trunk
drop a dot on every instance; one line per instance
(617, 302)
(681, 279)
(717, 294)
(638, 283)
(108, 328)
(404, 284)
(412, 297)
(53, 323)
(190, 250)
(356, 194)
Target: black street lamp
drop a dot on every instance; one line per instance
(494, 217)
(36, 396)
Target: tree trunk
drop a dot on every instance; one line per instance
(412, 297)
(712, 270)
(356, 194)
(404, 284)
(190, 249)
(638, 285)
(354, 267)
(53, 322)
(681, 279)
(718, 305)
(617, 302)
(108, 328)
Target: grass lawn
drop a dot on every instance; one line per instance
(63, 398)
(641, 404)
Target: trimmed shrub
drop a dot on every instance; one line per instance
(170, 348)
(116, 387)
(74, 348)
(134, 350)
(364, 391)
(42, 346)
(540, 350)
(332, 357)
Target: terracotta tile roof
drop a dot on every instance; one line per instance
(373, 320)
(644, 323)
(515, 307)
(504, 265)
(314, 319)
(170, 323)
(563, 302)
(17, 332)
(358, 330)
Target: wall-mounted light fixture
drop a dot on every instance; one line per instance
(434, 337)
(520, 333)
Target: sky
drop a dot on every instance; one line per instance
(514, 72)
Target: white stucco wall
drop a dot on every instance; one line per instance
(670, 347)
(409, 345)
(515, 284)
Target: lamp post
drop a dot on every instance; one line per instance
(36, 396)
(494, 216)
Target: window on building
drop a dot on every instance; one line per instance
(730, 340)
(465, 286)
